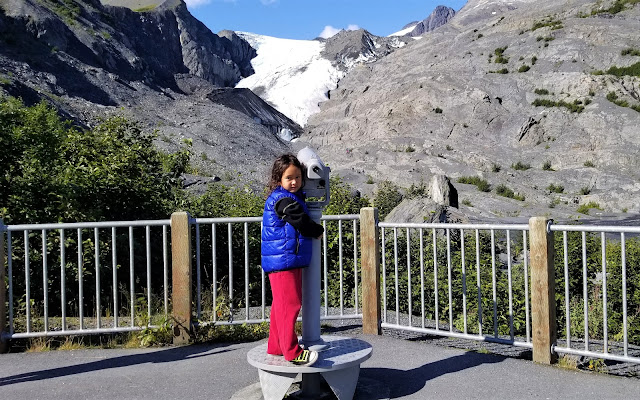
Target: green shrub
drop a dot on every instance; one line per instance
(630, 52)
(585, 190)
(584, 208)
(573, 107)
(524, 68)
(541, 91)
(534, 60)
(519, 166)
(504, 191)
(438, 110)
(495, 167)
(589, 164)
(409, 149)
(547, 166)
(554, 24)
(480, 183)
(386, 198)
(467, 203)
(555, 188)
(616, 7)
(632, 70)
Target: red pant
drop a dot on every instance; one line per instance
(286, 288)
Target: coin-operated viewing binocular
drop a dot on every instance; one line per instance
(316, 177)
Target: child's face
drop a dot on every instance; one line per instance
(291, 180)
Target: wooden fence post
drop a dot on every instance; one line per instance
(543, 304)
(370, 271)
(181, 277)
(4, 345)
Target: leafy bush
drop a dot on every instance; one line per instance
(553, 188)
(541, 91)
(584, 208)
(573, 107)
(616, 7)
(504, 191)
(589, 164)
(524, 68)
(438, 110)
(55, 172)
(520, 166)
(480, 183)
(554, 24)
(386, 198)
(630, 52)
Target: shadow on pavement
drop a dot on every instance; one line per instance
(160, 356)
(403, 383)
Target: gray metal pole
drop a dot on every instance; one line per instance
(311, 293)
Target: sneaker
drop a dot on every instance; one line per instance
(306, 359)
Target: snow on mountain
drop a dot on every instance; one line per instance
(290, 74)
(404, 31)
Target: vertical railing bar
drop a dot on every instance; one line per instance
(526, 286)
(623, 254)
(510, 284)
(132, 292)
(198, 274)
(45, 280)
(114, 277)
(395, 255)
(326, 269)
(421, 232)
(355, 264)
(63, 286)
(27, 280)
(246, 270)
(584, 291)
(96, 256)
(435, 276)
(10, 275)
(494, 284)
(384, 277)
(214, 272)
(165, 269)
(449, 267)
(80, 283)
(410, 297)
(605, 329)
(148, 247)
(340, 267)
(478, 282)
(464, 280)
(230, 254)
(566, 287)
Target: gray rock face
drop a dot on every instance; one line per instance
(349, 48)
(442, 106)
(443, 192)
(440, 16)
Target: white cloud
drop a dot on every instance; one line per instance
(329, 30)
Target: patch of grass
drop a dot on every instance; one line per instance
(547, 166)
(568, 361)
(480, 183)
(534, 60)
(500, 71)
(495, 167)
(438, 110)
(524, 68)
(589, 164)
(71, 343)
(542, 92)
(467, 203)
(504, 191)
(39, 345)
(150, 7)
(574, 107)
(369, 180)
(584, 208)
(632, 70)
(553, 23)
(520, 166)
(630, 52)
(585, 190)
(553, 188)
(409, 149)
(616, 7)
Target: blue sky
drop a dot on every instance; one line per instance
(307, 19)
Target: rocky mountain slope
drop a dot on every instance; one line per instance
(158, 65)
(440, 16)
(515, 93)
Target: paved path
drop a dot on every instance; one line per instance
(398, 369)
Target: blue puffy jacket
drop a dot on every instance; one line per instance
(283, 247)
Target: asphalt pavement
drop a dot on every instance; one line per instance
(398, 369)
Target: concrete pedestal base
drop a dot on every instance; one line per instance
(339, 365)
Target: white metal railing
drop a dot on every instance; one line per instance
(51, 307)
(426, 258)
(231, 251)
(594, 291)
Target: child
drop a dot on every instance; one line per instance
(287, 232)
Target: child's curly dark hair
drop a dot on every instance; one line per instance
(279, 166)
